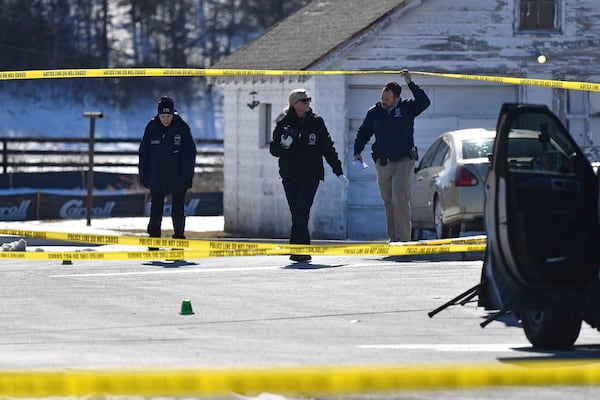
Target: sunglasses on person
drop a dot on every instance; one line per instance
(304, 101)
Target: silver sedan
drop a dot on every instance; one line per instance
(447, 194)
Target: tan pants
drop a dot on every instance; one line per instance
(394, 180)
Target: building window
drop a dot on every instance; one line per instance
(538, 15)
(264, 124)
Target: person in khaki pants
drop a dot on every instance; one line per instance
(392, 122)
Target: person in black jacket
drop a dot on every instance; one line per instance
(394, 152)
(300, 141)
(167, 157)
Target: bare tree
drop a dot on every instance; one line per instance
(49, 34)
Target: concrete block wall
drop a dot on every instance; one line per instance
(253, 199)
(328, 220)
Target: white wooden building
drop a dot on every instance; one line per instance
(483, 37)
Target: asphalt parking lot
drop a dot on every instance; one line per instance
(255, 312)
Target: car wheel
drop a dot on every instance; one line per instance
(552, 330)
(441, 230)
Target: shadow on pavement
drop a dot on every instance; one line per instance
(589, 353)
(439, 257)
(308, 265)
(170, 264)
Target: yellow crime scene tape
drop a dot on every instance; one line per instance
(554, 84)
(219, 248)
(311, 380)
(308, 381)
(215, 72)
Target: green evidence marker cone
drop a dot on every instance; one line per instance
(186, 308)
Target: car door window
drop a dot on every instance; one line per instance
(440, 154)
(537, 143)
(429, 154)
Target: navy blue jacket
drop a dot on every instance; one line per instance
(167, 156)
(304, 159)
(393, 131)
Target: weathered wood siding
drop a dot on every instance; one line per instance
(459, 36)
(470, 38)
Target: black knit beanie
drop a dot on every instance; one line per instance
(166, 105)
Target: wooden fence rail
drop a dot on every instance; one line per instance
(20, 153)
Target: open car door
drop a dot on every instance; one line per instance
(541, 215)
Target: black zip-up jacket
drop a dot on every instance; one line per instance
(167, 156)
(304, 159)
(393, 131)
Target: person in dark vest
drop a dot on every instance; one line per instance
(167, 157)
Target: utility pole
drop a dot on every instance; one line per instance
(92, 115)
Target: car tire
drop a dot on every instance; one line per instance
(551, 330)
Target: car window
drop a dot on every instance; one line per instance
(523, 146)
(440, 154)
(540, 144)
(428, 157)
(477, 148)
